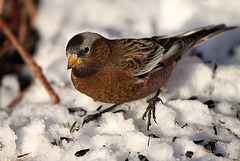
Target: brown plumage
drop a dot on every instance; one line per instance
(123, 70)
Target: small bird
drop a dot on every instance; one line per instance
(124, 70)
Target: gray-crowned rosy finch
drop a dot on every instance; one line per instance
(123, 70)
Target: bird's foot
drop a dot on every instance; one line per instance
(151, 108)
(95, 116)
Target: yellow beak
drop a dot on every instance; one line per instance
(73, 61)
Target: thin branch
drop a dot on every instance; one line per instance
(1, 6)
(15, 17)
(4, 47)
(31, 9)
(23, 25)
(20, 96)
(36, 70)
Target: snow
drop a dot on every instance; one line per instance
(41, 130)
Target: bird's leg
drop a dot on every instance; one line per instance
(95, 116)
(150, 110)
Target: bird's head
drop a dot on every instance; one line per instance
(86, 51)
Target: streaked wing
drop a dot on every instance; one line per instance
(144, 56)
(140, 55)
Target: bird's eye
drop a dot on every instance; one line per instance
(86, 50)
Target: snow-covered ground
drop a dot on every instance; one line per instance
(41, 130)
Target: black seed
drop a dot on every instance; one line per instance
(185, 125)
(54, 142)
(219, 155)
(22, 155)
(174, 138)
(81, 153)
(99, 108)
(215, 129)
(80, 111)
(66, 138)
(210, 103)
(153, 136)
(189, 154)
(142, 158)
(193, 98)
(75, 127)
(238, 114)
(118, 111)
(215, 67)
(222, 122)
(198, 141)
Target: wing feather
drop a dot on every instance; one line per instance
(140, 55)
(145, 56)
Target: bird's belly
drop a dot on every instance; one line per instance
(111, 89)
(117, 89)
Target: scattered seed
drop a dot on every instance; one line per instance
(193, 98)
(153, 136)
(189, 154)
(81, 153)
(55, 142)
(219, 155)
(185, 126)
(142, 157)
(118, 111)
(80, 111)
(215, 68)
(174, 138)
(66, 138)
(22, 155)
(198, 141)
(210, 103)
(99, 108)
(75, 127)
(222, 122)
(215, 129)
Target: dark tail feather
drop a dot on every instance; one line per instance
(206, 33)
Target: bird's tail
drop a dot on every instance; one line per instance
(205, 33)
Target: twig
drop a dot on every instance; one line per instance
(36, 70)
(20, 96)
(31, 10)
(15, 17)
(1, 6)
(4, 47)
(23, 25)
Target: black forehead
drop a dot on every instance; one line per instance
(75, 42)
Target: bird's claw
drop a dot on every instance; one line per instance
(151, 109)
